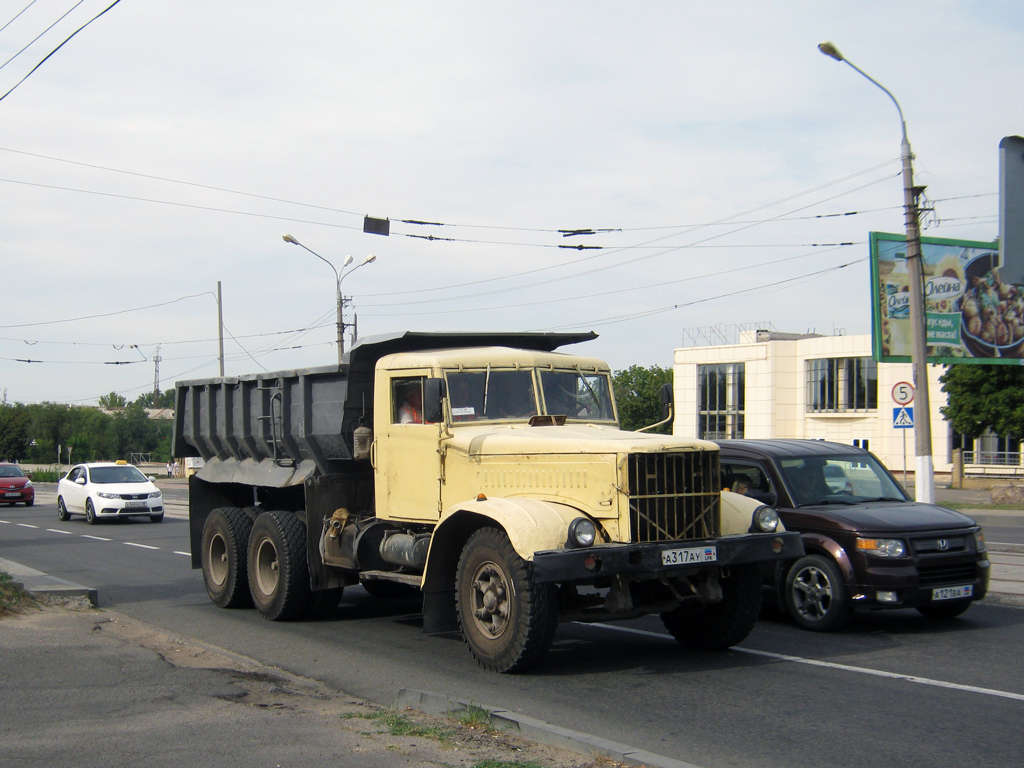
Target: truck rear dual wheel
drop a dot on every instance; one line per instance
(507, 620)
(715, 626)
(224, 556)
(278, 572)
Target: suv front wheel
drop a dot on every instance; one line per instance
(816, 595)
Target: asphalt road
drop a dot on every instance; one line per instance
(895, 689)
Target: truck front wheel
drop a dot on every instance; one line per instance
(278, 572)
(225, 541)
(507, 620)
(714, 626)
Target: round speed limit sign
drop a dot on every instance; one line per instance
(903, 393)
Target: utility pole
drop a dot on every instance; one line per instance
(156, 376)
(220, 327)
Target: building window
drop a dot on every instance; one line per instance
(721, 405)
(839, 384)
(989, 448)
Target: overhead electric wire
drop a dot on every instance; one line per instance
(37, 66)
(108, 314)
(34, 39)
(5, 26)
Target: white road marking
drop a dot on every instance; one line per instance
(5, 522)
(841, 667)
(186, 554)
(141, 546)
(97, 538)
(58, 530)
(26, 525)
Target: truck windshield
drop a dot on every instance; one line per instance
(511, 395)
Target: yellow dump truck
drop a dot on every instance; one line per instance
(486, 472)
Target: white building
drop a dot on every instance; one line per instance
(778, 385)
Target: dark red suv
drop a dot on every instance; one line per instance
(868, 544)
(15, 486)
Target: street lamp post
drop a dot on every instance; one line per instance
(338, 277)
(924, 474)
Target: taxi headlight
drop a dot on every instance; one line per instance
(155, 495)
(105, 495)
(582, 532)
(882, 547)
(765, 520)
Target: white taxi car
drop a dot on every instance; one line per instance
(108, 490)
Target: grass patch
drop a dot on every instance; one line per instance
(474, 717)
(505, 764)
(400, 725)
(960, 506)
(13, 599)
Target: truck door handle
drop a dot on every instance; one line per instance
(373, 455)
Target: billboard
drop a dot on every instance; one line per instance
(972, 316)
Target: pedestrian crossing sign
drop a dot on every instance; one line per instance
(903, 418)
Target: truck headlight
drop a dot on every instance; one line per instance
(882, 547)
(765, 520)
(582, 532)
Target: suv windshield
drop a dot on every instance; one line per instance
(494, 394)
(108, 475)
(838, 480)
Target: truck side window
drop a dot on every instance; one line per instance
(407, 400)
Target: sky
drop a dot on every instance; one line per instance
(731, 172)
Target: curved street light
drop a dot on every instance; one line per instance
(924, 472)
(338, 277)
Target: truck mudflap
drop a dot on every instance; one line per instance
(672, 557)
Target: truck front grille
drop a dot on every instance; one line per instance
(673, 496)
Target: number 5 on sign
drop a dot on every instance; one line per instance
(903, 393)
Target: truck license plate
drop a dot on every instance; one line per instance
(952, 593)
(135, 504)
(689, 556)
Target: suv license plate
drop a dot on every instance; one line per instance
(952, 593)
(689, 555)
(128, 504)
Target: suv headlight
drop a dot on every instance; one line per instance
(582, 532)
(765, 519)
(882, 547)
(979, 541)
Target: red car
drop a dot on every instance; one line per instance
(15, 487)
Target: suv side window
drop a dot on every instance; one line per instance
(749, 479)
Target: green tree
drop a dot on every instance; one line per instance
(150, 400)
(985, 397)
(638, 394)
(113, 400)
(14, 426)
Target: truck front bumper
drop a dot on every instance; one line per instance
(672, 558)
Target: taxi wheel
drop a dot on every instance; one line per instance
(90, 512)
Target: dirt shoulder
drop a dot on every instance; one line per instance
(96, 688)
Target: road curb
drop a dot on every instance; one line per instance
(535, 730)
(42, 584)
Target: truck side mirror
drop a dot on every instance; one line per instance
(667, 401)
(434, 393)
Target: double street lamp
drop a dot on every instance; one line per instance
(338, 277)
(924, 477)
